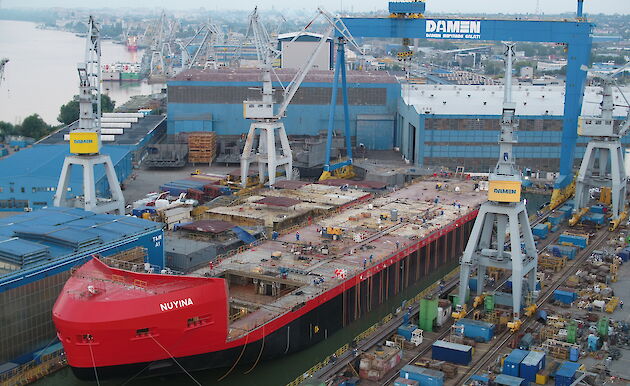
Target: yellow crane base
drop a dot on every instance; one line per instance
(344, 172)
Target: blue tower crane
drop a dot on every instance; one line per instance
(407, 20)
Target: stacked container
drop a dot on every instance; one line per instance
(406, 330)
(562, 250)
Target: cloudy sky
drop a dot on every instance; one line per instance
(433, 6)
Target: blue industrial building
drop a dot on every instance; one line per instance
(29, 177)
(455, 125)
(37, 252)
(212, 100)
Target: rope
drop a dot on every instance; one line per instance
(175, 360)
(237, 359)
(262, 347)
(94, 364)
(286, 350)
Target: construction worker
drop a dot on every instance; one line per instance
(364, 263)
(371, 256)
(621, 304)
(297, 236)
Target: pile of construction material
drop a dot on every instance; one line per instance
(201, 147)
(379, 361)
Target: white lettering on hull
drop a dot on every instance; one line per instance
(175, 304)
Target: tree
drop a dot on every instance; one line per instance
(34, 126)
(69, 112)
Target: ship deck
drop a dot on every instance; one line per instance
(364, 234)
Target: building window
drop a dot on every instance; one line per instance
(22, 189)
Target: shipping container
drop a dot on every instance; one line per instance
(406, 330)
(565, 375)
(595, 218)
(540, 230)
(532, 364)
(562, 251)
(511, 365)
(405, 382)
(565, 297)
(624, 254)
(476, 329)
(599, 209)
(580, 241)
(451, 352)
(508, 380)
(425, 377)
(526, 341)
(555, 218)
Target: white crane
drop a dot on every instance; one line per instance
(604, 145)
(263, 112)
(85, 139)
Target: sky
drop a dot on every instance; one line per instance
(433, 6)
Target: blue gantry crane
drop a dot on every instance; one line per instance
(407, 20)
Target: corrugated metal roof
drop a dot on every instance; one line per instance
(279, 201)
(509, 380)
(285, 75)
(130, 136)
(533, 358)
(488, 100)
(51, 233)
(451, 345)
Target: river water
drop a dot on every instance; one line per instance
(42, 71)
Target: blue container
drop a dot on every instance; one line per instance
(574, 354)
(576, 240)
(562, 251)
(598, 209)
(504, 379)
(480, 378)
(406, 330)
(512, 364)
(425, 377)
(565, 297)
(624, 254)
(565, 375)
(476, 329)
(555, 218)
(451, 352)
(542, 315)
(405, 382)
(555, 228)
(595, 218)
(540, 230)
(4, 152)
(532, 364)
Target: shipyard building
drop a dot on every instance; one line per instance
(212, 100)
(39, 249)
(457, 125)
(29, 177)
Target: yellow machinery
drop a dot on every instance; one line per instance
(344, 172)
(515, 325)
(605, 195)
(478, 300)
(612, 304)
(333, 233)
(576, 217)
(614, 224)
(530, 310)
(559, 196)
(457, 315)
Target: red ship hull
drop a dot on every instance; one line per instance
(129, 323)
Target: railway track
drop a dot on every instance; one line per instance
(446, 332)
(507, 335)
